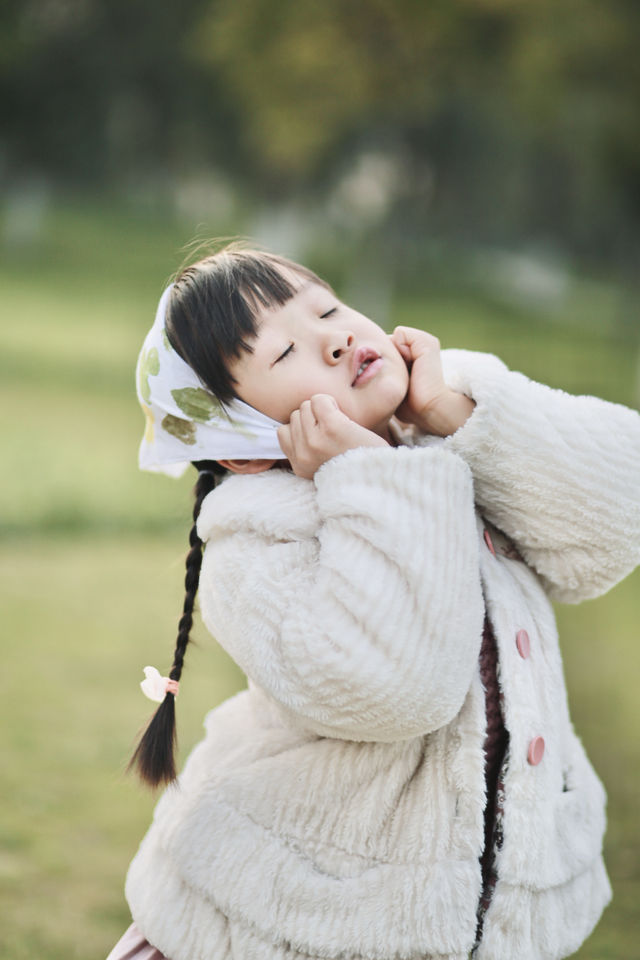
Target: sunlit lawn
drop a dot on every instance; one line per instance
(91, 574)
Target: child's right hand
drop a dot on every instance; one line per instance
(318, 431)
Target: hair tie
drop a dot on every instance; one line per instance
(156, 687)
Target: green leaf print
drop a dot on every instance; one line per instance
(182, 430)
(165, 340)
(197, 404)
(149, 367)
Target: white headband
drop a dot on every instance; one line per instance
(185, 421)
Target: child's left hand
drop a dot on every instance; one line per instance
(430, 404)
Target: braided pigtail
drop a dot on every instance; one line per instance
(154, 756)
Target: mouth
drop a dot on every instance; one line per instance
(366, 363)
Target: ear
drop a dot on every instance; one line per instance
(246, 466)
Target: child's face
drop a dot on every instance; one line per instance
(316, 344)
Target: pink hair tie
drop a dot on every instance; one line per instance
(156, 687)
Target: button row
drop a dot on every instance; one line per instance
(489, 541)
(523, 644)
(535, 753)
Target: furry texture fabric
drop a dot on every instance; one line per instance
(335, 808)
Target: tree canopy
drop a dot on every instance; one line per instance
(530, 107)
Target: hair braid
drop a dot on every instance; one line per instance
(154, 756)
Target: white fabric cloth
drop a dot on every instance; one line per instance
(335, 808)
(184, 421)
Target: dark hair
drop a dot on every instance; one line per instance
(154, 755)
(211, 319)
(211, 313)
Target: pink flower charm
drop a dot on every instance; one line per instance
(156, 687)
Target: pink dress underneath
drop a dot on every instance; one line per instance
(133, 946)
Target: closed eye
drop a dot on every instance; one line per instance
(286, 353)
(323, 316)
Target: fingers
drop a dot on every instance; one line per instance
(324, 407)
(414, 343)
(308, 427)
(307, 419)
(314, 419)
(413, 338)
(311, 415)
(284, 438)
(318, 431)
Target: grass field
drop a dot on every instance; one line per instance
(91, 556)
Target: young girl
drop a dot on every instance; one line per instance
(401, 778)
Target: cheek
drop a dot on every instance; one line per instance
(371, 408)
(394, 392)
(292, 391)
(400, 364)
(403, 375)
(398, 379)
(394, 388)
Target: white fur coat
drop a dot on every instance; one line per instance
(335, 808)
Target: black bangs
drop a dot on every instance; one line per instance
(211, 315)
(262, 283)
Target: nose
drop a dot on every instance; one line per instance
(337, 344)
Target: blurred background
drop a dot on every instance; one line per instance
(471, 167)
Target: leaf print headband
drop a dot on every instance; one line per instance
(184, 421)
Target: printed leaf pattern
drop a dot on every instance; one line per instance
(183, 430)
(197, 404)
(149, 367)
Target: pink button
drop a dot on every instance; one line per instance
(523, 644)
(489, 542)
(536, 751)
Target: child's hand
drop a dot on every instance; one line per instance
(429, 403)
(318, 431)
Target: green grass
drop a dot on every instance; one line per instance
(82, 616)
(91, 555)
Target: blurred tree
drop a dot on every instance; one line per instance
(532, 104)
(507, 118)
(99, 90)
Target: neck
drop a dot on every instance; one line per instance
(384, 431)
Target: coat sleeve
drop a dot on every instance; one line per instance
(559, 474)
(370, 628)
